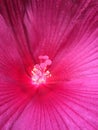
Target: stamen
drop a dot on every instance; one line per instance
(40, 72)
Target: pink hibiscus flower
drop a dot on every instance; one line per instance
(48, 64)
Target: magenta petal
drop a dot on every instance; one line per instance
(65, 33)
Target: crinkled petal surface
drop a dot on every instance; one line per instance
(67, 32)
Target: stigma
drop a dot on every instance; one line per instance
(40, 73)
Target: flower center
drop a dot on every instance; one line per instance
(40, 72)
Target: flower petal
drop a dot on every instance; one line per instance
(66, 31)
